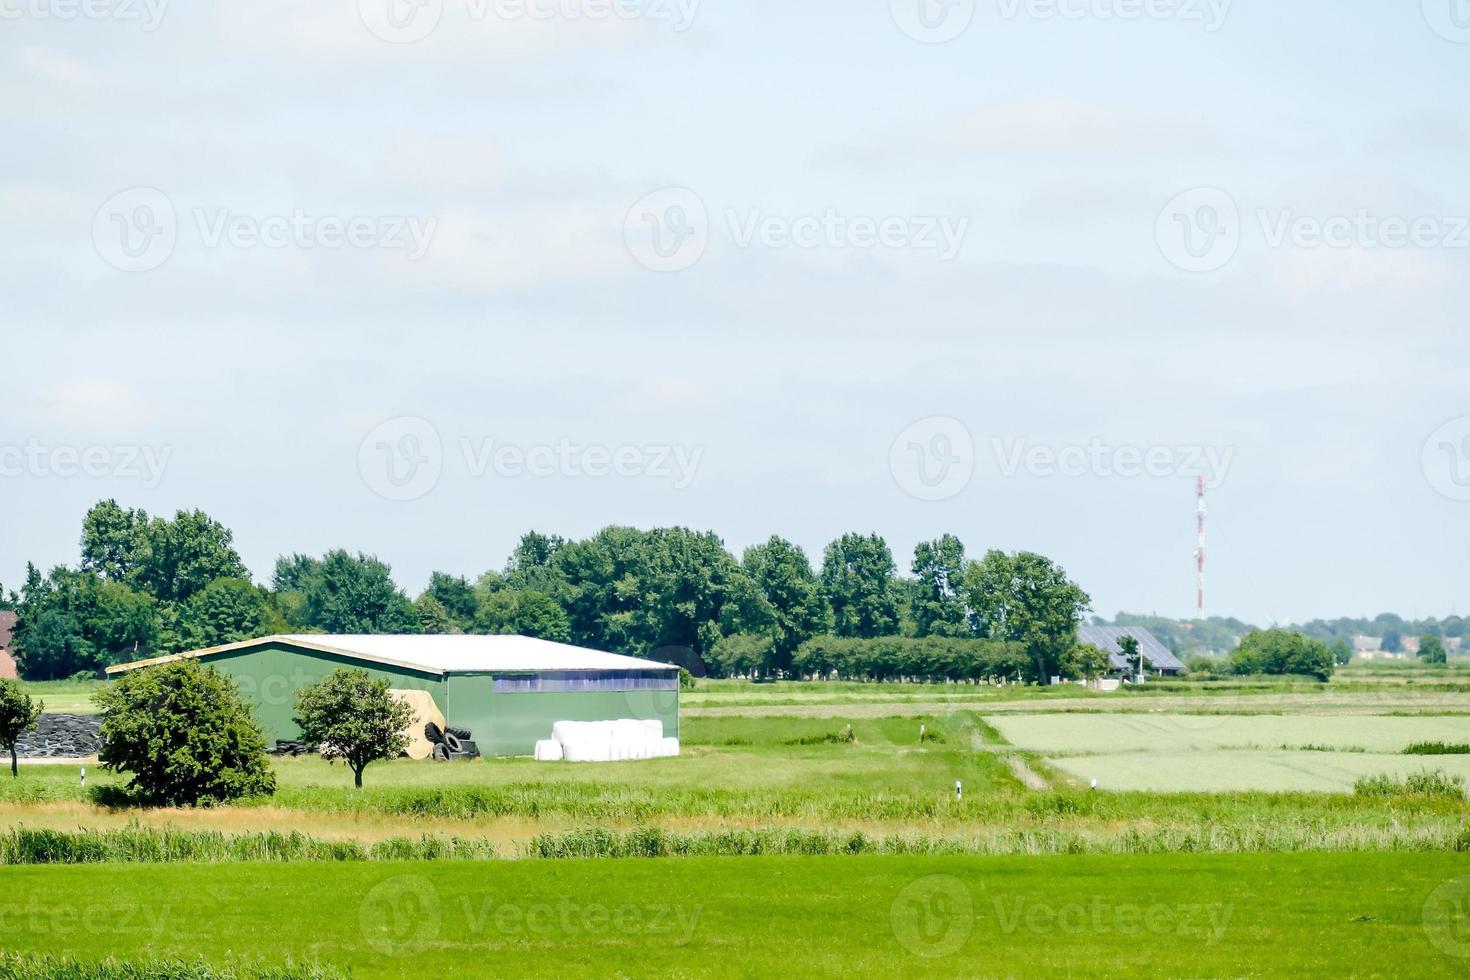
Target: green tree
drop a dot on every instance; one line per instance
(1026, 598)
(343, 593)
(354, 718)
(1085, 661)
(1342, 652)
(76, 621)
(938, 607)
(112, 537)
(741, 654)
(18, 714)
(178, 558)
(858, 580)
(432, 616)
(456, 596)
(786, 601)
(1432, 651)
(1279, 651)
(1393, 642)
(532, 565)
(1128, 647)
(226, 610)
(182, 733)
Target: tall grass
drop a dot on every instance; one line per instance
(148, 845)
(15, 966)
(1431, 783)
(1437, 748)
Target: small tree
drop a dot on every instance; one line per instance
(183, 733)
(1085, 661)
(1128, 647)
(1431, 650)
(353, 718)
(18, 713)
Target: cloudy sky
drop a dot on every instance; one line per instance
(412, 278)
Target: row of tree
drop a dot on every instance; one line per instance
(1220, 634)
(148, 585)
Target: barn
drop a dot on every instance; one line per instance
(507, 690)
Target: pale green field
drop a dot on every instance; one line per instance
(65, 697)
(1227, 771)
(1096, 734)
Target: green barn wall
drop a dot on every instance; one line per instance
(511, 723)
(269, 678)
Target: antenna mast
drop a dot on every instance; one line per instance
(1199, 551)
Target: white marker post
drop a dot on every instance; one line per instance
(959, 791)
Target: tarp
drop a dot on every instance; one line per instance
(424, 711)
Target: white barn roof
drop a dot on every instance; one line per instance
(437, 654)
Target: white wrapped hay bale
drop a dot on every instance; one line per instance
(548, 750)
(668, 747)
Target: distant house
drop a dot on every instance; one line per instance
(1411, 645)
(1157, 657)
(1367, 644)
(7, 662)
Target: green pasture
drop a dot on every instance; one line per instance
(1165, 915)
(1232, 771)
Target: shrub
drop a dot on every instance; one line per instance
(354, 718)
(183, 734)
(929, 658)
(1427, 783)
(1278, 651)
(1437, 748)
(686, 680)
(17, 714)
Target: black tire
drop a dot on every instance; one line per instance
(433, 734)
(441, 754)
(469, 748)
(452, 742)
(459, 733)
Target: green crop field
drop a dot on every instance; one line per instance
(1165, 915)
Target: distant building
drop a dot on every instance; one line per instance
(1452, 643)
(1367, 644)
(7, 662)
(1157, 658)
(1411, 645)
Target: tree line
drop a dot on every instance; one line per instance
(148, 585)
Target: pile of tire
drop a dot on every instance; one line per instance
(450, 743)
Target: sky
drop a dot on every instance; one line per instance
(411, 277)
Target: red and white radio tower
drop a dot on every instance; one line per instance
(1199, 552)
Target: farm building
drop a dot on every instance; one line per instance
(7, 662)
(1156, 657)
(507, 690)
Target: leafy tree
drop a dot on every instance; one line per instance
(74, 621)
(112, 537)
(184, 735)
(354, 718)
(1028, 599)
(1342, 652)
(786, 602)
(18, 714)
(432, 616)
(53, 647)
(1432, 651)
(858, 579)
(178, 558)
(537, 614)
(347, 594)
(1128, 647)
(456, 596)
(1393, 642)
(938, 607)
(227, 610)
(741, 654)
(1085, 661)
(532, 566)
(1279, 651)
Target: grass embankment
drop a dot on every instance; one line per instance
(1174, 915)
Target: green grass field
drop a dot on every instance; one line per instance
(1168, 915)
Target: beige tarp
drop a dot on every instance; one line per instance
(424, 711)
